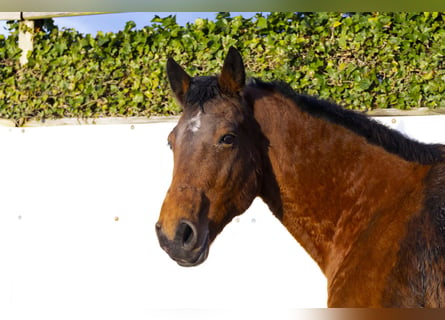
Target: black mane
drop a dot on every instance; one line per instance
(375, 133)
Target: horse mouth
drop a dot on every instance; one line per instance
(196, 257)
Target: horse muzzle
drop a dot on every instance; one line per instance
(187, 248)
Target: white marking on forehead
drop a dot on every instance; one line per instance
(194, 123)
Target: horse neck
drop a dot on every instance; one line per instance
(331, 185)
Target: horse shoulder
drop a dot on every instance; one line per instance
(399, 261)
(421, 259)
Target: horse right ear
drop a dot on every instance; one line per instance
(179, 80)
(233, 77)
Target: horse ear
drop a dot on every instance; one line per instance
(233, 77)
(179, 80)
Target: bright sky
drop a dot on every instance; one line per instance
(116, 21)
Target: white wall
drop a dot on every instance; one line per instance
(78, 206)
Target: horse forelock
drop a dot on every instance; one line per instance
(202, 90)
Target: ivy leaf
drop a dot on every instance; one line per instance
(138, 98)
(261, 23)
(364, 84)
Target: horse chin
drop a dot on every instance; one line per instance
(198, 258)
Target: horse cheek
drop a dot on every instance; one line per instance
(241, 188)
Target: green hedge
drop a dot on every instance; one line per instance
(365, 61)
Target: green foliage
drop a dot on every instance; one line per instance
(365, 61)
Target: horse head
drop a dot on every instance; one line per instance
(217, 160)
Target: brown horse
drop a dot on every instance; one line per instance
(366, 202)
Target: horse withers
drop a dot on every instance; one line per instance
(366, 202)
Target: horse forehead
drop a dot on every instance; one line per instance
(194, 123)
(212, 115)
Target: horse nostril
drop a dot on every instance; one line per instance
(187, 235)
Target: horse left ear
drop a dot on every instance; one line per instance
(233, 77)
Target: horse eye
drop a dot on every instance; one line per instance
(227, 139)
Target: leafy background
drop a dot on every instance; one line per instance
(364, 61)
